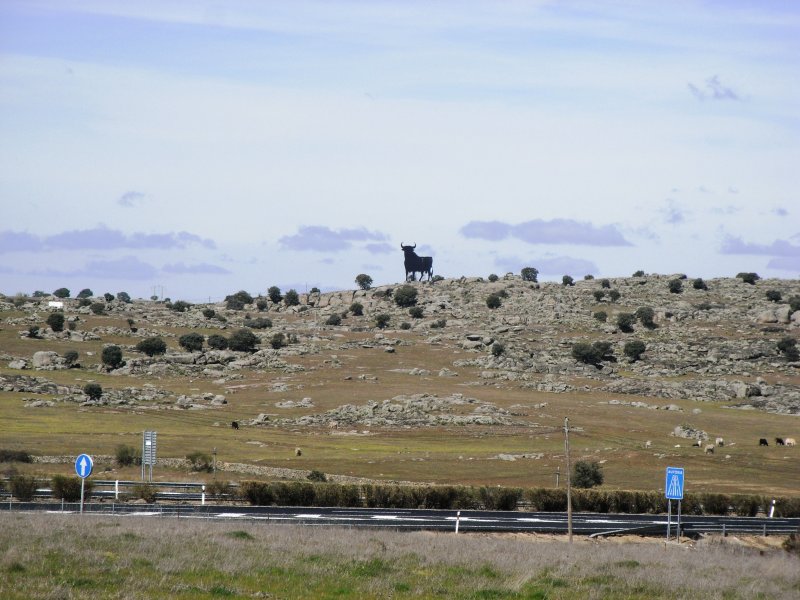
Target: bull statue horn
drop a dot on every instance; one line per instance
(415, 245)
(401, 245)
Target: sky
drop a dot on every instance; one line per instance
(193, 149)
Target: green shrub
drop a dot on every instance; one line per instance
(144, 491)
(93, 390)
(217, 342)
(56, 321)
(547, 499)
(243, 341)
(613, 295)
(333, 494)
(180, 306)
(405, 295)
(439, 324)
(566, 280)
(316, 475)
(15, 456)
(124, 297)
(33, 331)
(258, 323)
(788, 347)
(405, 325)
(587, 474)
(675, 286)
(498, 349)
(601, 316)
(61, 293)
(363, 281)
(277, 341)
(530, 274)
(261, 304)
(291, 298)
(191, 342)
(112, 356)
(218, 487)
(200, 461)
(493, 278)
(646, 316)
(238, 300)
(293, 493)
(334, 319)
(68, 489)
(23, 487)
(634, 349)
(500, 498)
(437, 278)
(257, 493)
(208, 313)
(625, 322)
(152, 346)
(108, 297)
(699, 284)
(127, 456)
(605, 284)
(85, 293)
(794, 303)
(84, 302)
(772, 296)
(750, 278)
(274, 294)
(416, 312)
(382, 320)
(588, 277)
(494, 301)
(598, 295)
(97, 308)
(357, 309)
(639, 273)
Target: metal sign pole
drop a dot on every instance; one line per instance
(669, 516)
(679, 522)
(82, 482)
(569, 479)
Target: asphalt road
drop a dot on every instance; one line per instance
(583, 524)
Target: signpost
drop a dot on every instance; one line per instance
(148, 452)
(83, 467)
(673, 490)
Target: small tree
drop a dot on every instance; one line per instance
(598, 295)
(209, 313)
(69, 488)
(56, 321)
(334, 320)
(605, 284)
(634, 349)
(127, 456)
(416, 312)
(291, 298)
(498, 349)
(592, 354)
(108, 297)
(217, 342)
(699, 284)
(152, 346)
(493, 277)
(788, 347)
(180, 306)
(774, 295)
(382, 320)
(675, 286)
(646, 316)
(601, 316)
(258, 323)
(261, 304)
(71, 357)
(567, 280)
(405, 295)
(61, 293)
(243, 340)
(277, 341)
(124, 297)
(33, 331)
(191, 342)
(23, 487)
(493, 301)
(85, 293)
(93, 390)
(97, 308)
(357, 309)
(587, 474)
(363, 281)
(639, 273)
(588, 277)
(750, 278)
(530, 274)
(112, 356)
(613, 295)
(625, 322)
(274, 294)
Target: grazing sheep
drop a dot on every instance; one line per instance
(648, 443)
(235, 424)
(763, 442)
(720, 442)
(790, 442)
(697, 444)
(779, 442)
(298, 452)
(709, 449)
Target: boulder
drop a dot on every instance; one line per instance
(44, 359)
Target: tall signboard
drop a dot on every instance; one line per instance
(673, 490)
(148, 454)
(83, 467)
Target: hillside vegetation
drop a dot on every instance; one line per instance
(459, 381)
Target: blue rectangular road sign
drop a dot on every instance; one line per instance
(673, 487)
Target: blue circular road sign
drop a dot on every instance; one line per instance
(84, 465)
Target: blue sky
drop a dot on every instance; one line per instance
(207, 147)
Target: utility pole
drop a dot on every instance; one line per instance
(214, 463)
(569, 479)
(557, 474)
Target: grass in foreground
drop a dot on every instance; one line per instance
(67, 556)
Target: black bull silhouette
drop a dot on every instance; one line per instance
(416, 264)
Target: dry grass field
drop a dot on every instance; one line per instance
(58, 557)
(350, 364)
